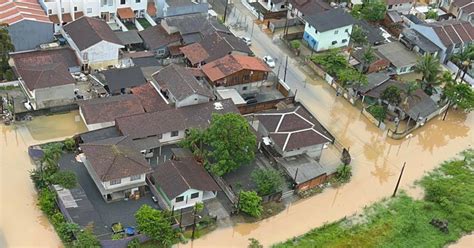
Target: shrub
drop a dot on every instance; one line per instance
(254, 243)
(40, 180)
(69, 144)
(268, 181)
(250, 203)
(86, 239)
(343, 173)
(134, 243)
(47, 201)
(66, 179)
(66, 231)
(295, 44)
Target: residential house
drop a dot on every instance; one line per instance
(101, 112)
(418, 107)
(45, 76)
(179, 86)
(117, 168)
(243, 73)
(152, 130)
(65, 11)
(451, 36)
(121, 80)
(292, 131)
(461, 9)
(300, 8)
(95, 43)
(401, 59)
(402, 6)
(379, 62)
(130, 39)
(373, 80)
(328, 29)
(418, 43)
(169, 8)
(27, 24)
(182, 182)
(273, 5)
(156, 39)
(393, 22)
(374, 33)
(150, 98)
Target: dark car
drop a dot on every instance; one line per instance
(252, 101)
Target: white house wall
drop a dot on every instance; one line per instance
(102, 54)
(324, 39)
(187, 202)
(167, 139)
(91, 8)
(403, 8)
(192, 100)
(124, 182)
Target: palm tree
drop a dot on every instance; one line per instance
(464, 61)
(367, 57)
(429, 67)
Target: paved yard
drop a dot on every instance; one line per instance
(108, 213)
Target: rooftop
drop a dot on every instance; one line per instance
(293, 128)
(180, 82)
(330, 19)
(118, 79)
(45, 68)
(308, 7)
(88, 31)
(13, 11)
(129, 37)
(156, 37)
(230, 64)
(415, 38)
(115, 158)
(397, 54)
(157, 123)
(176, 176)
(304, 168)
(452, 32)
(151, 100)
(107, 109)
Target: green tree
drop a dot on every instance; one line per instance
(358, 37)
(431, 14)
(86, 239)
(66, 179)
(373, 10)
(69, 144)
(350, 77)
(194, 141)
(378, 112)
(6, 47)
(461, 95)
(254, 243)
(47, 201)
(268, 181)
(392, 95)
(411, 88)
(429, 67)
(155, 224)
(343, 173)
(52, 153)
(368, 56)
(332, 61)
(295, 44)
(250, 203)
(463, 61)
(232, 143)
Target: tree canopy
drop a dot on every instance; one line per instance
(66, 179)
(370, 10)
(155, 224)
(250, 203)
(464, 60)
(461, 95)
(429, 67)
(6, 47)
(392, 95)
(268, 181)
(86, 239)
(358, 36)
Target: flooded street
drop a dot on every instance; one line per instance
(21, 223)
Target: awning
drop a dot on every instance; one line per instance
(66, 17)
(125, 13)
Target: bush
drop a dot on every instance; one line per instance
(69, 144)
(118, 236)
(66, 231)
(40, 180)
(66, 179)
(343, 173)
(268, 181)
(254, 243)
(9, 76)
(295, 44)
(250, 203)
(86, 239)
(47, 201)
(134, 243)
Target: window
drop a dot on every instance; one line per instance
(89, 10)
(194, 195)
(403, 69)
(344, 41)
(334, 42)
(174, 133)
(137, 1)
(336, 32)
(179, 199)
(347, 30)
(115, 181)
(246, 77)
(122, 2)
(161, 51)
(390, 6)
(244, 88)
(136, 177)
(283, 6)
(75, 8)
(62, 10)
(50, 11)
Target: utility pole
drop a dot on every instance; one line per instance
(225, 9)
(447, 109)
(286, 68)
(194, 223)
(285, 30)
(399, 178)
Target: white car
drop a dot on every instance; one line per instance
(247, 41)
(269, 61)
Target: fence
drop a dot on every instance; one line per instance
(10, 83)
(227, 190)
(294, 36)
(272, 197)
(252, 108)
(274, 24)
(373, 120)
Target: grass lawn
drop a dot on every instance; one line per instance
(403, 221)
(145, 24)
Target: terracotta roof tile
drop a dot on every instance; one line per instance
(231, 64)
(107, 109)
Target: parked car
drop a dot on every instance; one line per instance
(247, 40)
(269, 61)
(248, 97)
(252, 101)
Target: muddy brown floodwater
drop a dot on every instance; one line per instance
(21, 223)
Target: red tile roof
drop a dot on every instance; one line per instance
(453, 32)
(231, 64)
(151, 100)
(195, 53)
(12, 11)
(125, 13)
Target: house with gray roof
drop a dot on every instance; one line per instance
(96, 45)
(401, 59)
(292, 131)
(116, 166)
(45, 76)
(182, 182)
(418, 43)
(180, 87)
(328, 29)
(121, 80)
(169, 8)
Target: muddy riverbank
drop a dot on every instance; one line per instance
(21, 223)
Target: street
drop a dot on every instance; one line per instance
(377, 160)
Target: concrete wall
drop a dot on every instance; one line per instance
(187, 202)
(246, 88)
(54, 96)
(321, 41)
(183, 10)
(124, 182)
(166, 137)
(313, 151)
(28, 35)
(102, 54)
(403, 8)
(91, 7)
(192, 100)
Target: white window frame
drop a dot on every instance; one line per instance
(135, 177)
(115, 181)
